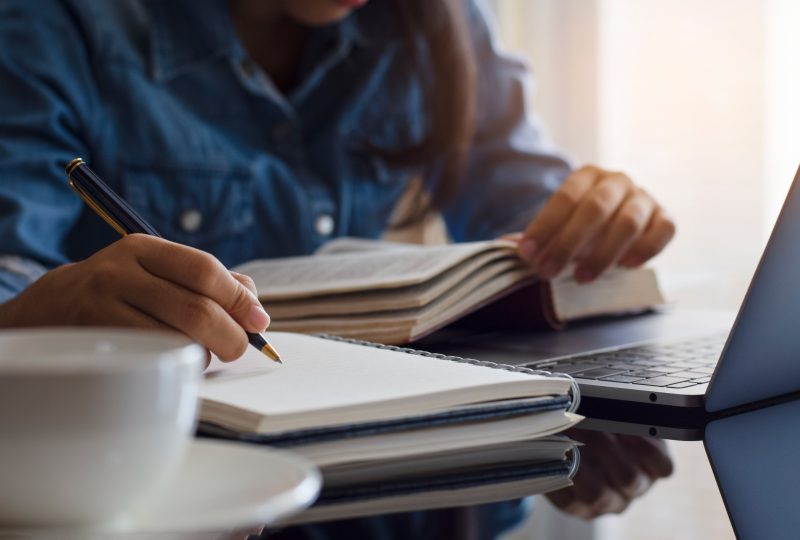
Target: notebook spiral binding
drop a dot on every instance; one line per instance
(575, 462)
(574, 392)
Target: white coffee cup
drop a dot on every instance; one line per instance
(92, 422)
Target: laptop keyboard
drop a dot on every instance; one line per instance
(675, 365)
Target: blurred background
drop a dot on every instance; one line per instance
(699, 102)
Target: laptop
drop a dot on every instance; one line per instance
(694, 379)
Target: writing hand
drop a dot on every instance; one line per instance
(146, 282)
(597, 218)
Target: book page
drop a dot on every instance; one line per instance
(323, 382)
(350, 244)
(303, 277)
(615, 291)
(396, 298)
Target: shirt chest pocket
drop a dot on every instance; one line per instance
(204, 207)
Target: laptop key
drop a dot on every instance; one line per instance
(574, 368)
(622, 378)
(680, 365)
(685, 384)
(645, 373)
(702, 379)
(645, 362)
(646, 356)
(597, 373)
(703, 370)
(661, 381)
(662, 369)
(624, 365)
(686, 375)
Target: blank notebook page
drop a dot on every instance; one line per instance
(323, 382)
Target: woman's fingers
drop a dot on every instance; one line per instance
(596, 219)
(250, 285)
(556, 212)
(573, 218)
(197, 316)
(627, 224)
(591, 215)
(127, 314)
(203, 274)
(247, 281)
(656, 236)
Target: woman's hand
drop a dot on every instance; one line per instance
(146, 282)
(597, 218)
(614, 470)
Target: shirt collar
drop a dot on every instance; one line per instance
(375, 25)
(183, 36)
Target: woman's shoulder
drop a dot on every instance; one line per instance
(95, 29)
(75, 15)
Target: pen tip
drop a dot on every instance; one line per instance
(270, 351)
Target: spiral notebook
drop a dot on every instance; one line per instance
(337, 400)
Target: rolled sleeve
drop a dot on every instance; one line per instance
(16, 273)
(512, 168)
(47, 99)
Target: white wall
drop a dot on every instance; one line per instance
(782, 117)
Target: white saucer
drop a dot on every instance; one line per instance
(221, 485)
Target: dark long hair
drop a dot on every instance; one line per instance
(438, 33)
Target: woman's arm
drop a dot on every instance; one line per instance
(146, 282)
(512, 168)
(516, 181)
(48, 96)
(48, 115)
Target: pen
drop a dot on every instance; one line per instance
(125, 220)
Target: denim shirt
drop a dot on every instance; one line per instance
(162, 100)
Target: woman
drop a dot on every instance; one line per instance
(261, 128)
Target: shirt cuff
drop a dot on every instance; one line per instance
(16, 273)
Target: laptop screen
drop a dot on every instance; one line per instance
(755, 460)
(760, 359)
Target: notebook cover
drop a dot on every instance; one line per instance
(492, 410)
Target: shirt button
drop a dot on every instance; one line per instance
(191, 220)
(324, 225)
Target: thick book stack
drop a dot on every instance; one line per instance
(394, 429)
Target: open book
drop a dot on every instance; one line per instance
(397, 293)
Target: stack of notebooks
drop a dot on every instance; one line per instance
(397, 293)
(395, 429)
